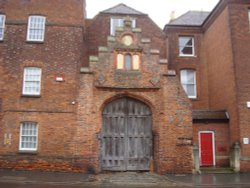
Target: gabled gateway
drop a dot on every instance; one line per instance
(117, 93)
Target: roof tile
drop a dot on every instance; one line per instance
(122, 9)
(191, 18)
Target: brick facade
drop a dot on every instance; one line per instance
(81, 51)
(221, 63)
(59, 55)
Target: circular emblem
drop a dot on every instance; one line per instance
(127, 40)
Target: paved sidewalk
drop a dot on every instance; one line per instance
(40, 177)
(211, 180)
(128, 179)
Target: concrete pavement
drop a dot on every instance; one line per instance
(118, 179)
(128, 179)
(211, 180)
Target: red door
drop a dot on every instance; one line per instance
(206, 149)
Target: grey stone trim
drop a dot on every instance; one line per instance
(111, 39)
(154, 51)
(93, 59)
(102, 49)
(163, 61)
(145, 40)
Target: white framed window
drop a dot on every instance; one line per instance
(36, 28)
(188, 82)
(249, 17)
(28, 136)
(186, 46)
(32, 81)
(118, 22)
(2, 26)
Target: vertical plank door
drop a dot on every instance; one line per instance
(126, 136)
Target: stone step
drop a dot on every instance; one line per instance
(216, 170)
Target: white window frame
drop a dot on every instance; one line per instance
(213, 140)
(36, 28)
(249, 17)
(183, 83)
(35, 124)
(26, 73)
(120, 24)
(192, 46)
(2, 27)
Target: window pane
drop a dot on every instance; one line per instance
(36, 28)
(118, 22)
(32, 81)
(1, 20)
(2, 25)
(190, 77)
(188, 81)
(186, 46)
(28, 137)
(136, 62)
(191, 90)
(115, 22)
(184, 76)
(120, 61)
(186, 50)
(249, 17)
(128, 62)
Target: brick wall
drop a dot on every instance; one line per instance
(60, 12)
(197, 62)
(221, 75)
(221, 136)
(99, 28)
(240, 29)
(171, 110)
(59, 55)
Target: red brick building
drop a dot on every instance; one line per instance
(117, 93)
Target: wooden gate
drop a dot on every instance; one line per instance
(126, 136)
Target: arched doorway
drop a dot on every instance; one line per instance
(126, 135)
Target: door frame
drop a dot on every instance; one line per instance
(213, 144)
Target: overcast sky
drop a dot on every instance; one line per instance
(158, 10)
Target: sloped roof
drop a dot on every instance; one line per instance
(210, 115)
(191, 18)
(122, 9)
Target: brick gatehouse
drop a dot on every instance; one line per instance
(117, 93)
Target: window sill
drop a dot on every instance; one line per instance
(34, 42)
(128, 71)
(30, 96)
(193, 99)
(27, 152)
(187, 55)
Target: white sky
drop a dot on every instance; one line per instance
(158, 10)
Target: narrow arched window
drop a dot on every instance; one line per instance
(136, 62)
(120, 61)
(128, 62)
